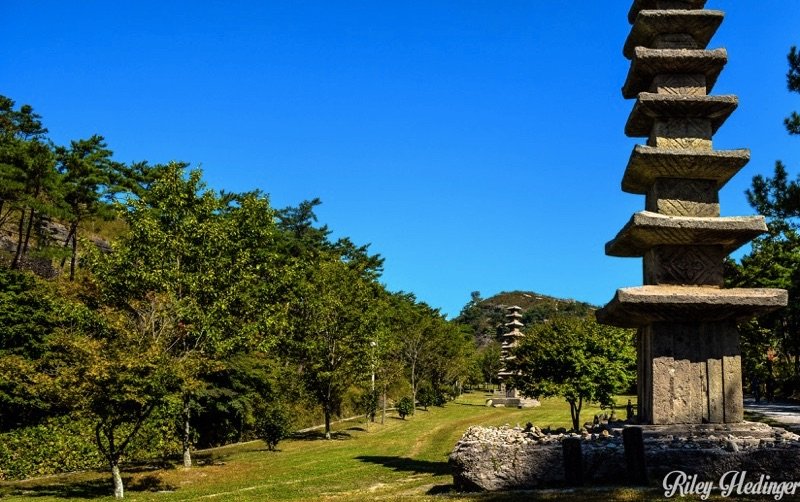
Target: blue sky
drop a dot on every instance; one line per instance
(477, 145)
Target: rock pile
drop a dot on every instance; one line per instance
(513, 458)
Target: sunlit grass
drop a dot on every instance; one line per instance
(401, 459)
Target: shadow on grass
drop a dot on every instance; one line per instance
(408, 464)
(319, 435)
(96, 487)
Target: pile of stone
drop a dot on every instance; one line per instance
(513, 458)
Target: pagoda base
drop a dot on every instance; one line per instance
(689, 373)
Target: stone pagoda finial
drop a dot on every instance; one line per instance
(689, 365)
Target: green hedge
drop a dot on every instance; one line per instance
(66, 444)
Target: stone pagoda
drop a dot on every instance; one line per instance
(507, 395)
(689, 366)
(510, 340)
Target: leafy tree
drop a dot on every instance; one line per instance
(490, 362)
(114, 366)
(207, 256)
(333, 323)
(577, 359)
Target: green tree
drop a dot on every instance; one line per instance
(770, 346)
(577, 359)
(208, 256)
(89, 181)
(490, 362)
(333, 324)
(792, 122)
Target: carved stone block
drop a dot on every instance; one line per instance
(694, 85)
(684, 265)
(677, 197)
(689, 133)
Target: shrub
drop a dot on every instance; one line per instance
(275, 425)
(425, 396)
(369, 404)
(405, 407)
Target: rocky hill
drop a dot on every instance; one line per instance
(486, 316)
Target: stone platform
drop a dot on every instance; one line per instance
(505, 458)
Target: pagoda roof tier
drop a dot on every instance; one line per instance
(646, 230)
(648, 163)
(699, 24)
(651, 106)
(515, 322)
(639, 5)
(514, 334)
(640, 306)
(647, 63)
(514, 308)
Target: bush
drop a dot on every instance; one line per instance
(425, 396)
(369, 404)
(66, 444)
(441, 396)
(275, 425)
(405, 407)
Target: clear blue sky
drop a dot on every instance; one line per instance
(477, 145)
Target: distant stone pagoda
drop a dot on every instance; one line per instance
(510, 340)
(509, 396)
(689, 364)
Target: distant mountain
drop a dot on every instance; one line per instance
(486, 316)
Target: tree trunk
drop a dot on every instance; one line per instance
(187, 433)
(28, 233)
(74, 257)
(20, 232)
(67, 241)
(383, 415)
(414, 385)
(118, 488)
(327, 422)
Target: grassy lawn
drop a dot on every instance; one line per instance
(402, 459)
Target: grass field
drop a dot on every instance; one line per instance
(400, 460)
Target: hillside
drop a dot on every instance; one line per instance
(486, 316)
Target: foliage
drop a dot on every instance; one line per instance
(274, 425)
(331, 334)
(770, 348)
(369, 404)
(490, 362)
(405, 407)
(426, 396)
(792, 122)
(577, 359)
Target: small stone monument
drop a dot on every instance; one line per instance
(689, 365)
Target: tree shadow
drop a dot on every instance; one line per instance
(319, 436)
(408, 464)
(98, 487)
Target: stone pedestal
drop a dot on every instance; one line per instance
(689, 364)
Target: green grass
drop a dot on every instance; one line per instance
(402, 459)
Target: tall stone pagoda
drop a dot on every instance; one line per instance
(510, 340)
(689, 364)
